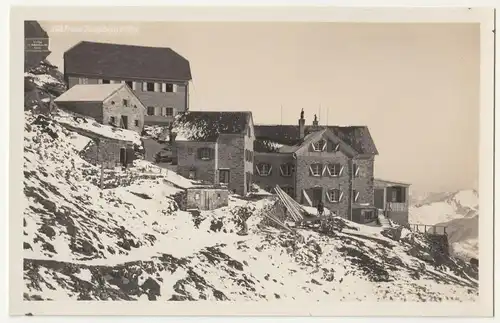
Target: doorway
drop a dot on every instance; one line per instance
(317, 195)
(123, 157)
(125, 122)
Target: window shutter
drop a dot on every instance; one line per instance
(336, 147)
(174, 88)
(324, 169)
(257, 169)
(357, 170)
(199, 152)
(311, 171)
(341, 195)
(134, 85)
(270, 169)
(99, 81)
(157, 87)
(122, 82)
(144, 86)
(341, 170)
(163, 87)
(356, 196)
(211, 153)
(324, 146)
(403, 194)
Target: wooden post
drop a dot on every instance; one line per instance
(102, 176)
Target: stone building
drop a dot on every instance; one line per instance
(315, 163)
(216, 148)
(158, 76)
(108, 104)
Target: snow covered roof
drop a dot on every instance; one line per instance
(357, 137)
(208, 125)
(87, 124)
(89, 93)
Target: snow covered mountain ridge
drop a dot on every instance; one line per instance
(459, 212)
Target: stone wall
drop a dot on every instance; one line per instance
(132, 109)
(188, 159)
(231, 156)
(275, 177)
(305, 181)
(108, 151)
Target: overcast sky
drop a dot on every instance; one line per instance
(416, 86)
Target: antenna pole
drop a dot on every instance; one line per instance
(281, 112)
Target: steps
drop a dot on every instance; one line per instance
(384, 222)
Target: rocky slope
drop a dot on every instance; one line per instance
(131, 242)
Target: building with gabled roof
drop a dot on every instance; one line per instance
(215, 147)
(159, 76)
(311, 163)
(109, 104)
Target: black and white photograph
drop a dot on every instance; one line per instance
(251, 161)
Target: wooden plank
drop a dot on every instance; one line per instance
(285, 200)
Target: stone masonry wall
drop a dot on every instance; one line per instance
(364, 182)
(231, 155)
(275, 178)
(306, 181)
(115, 107)
(187, 159)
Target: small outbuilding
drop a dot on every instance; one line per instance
(206, 197)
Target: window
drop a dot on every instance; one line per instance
(192, 175)
(264, 169)
(106, 82)
(83, 80)
(125, 102)
(319, 145)
(286, 170)
(335, 170)
(355, 195)
(151, 111)
(334, 195)
(397, 194)
(316, 169)
(205, 153)
(169, 87)
(150, 86)
(369, 215)
(130, 84)
(355, 170)
(169, 112)
(136, 122)
(224, 176)
(112, 120)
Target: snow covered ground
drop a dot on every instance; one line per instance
(133, 243)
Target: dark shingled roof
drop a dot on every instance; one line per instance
(211, 124)
(358, 137)
(126, 61)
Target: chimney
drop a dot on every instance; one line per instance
(302, 125)
(315, 122)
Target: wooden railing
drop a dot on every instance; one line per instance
(428, 229)
(397, 207)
